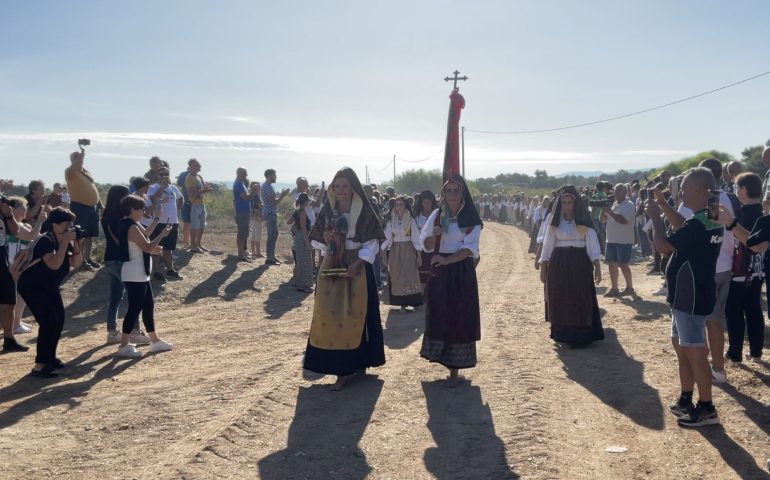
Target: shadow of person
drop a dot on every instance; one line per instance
(244, 282)
(645, 309)
(403, 328)
(324, 434)
(283, 299)
(462, 427)
(606, 370)
(733, 454)
(210, 286)
(39, 394)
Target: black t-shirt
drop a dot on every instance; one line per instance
(744, 260)
(760, 233)
(39, 274)
(690, 272)
(4, 244)
(111, 250)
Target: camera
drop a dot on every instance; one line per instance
(79, 232)
(601, 202)
(84, 142)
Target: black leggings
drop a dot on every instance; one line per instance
(139, 300)
(48, 309)
(744, 314)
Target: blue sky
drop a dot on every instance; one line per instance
(307, 87)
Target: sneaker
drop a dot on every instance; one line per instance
(45, 372)
(628, 292)
(113, 336)
(655, 271)
(752, 359)
(160, 346)
(11, 345)
(244, 258)
(159, 277)
(87, 267)
(173, 274)
(699, 417)
(679, 410)
(203, 249)
(139, 338)
(129, 351)
(95, 264)
(662, 291)
(22, 329)
(719, 376)
(612, 293)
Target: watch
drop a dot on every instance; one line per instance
(732, 225)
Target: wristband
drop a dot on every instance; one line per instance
(730, 227)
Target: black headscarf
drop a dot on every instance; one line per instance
(468, 216)
(367, 224)
(582, 216)
(418, 204)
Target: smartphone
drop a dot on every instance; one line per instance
(674, 186)
(712, 212)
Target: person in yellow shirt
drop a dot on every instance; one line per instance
(84, 203)
(196, 188)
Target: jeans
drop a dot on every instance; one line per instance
(139, 300)
(272, 235)
(113, 267)
(601, 232)
(744, 315)
(644, 241)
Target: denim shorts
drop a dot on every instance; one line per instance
(619, 253)
(688, 328)
(197, 217)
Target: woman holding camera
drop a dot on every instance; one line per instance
(134, 251)
(52, 256)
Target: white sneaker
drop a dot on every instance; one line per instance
(129, 351)
(113, 336)
(663, 291)
(718, 376)
(139, 338)
(22, 328)
(160, 346)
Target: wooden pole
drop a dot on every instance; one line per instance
(394, 173)
(462, 143)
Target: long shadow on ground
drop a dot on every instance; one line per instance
(606, 370)
(283, 299)
(462, 427)
(403, 328)
(324, 434)
(210, 286)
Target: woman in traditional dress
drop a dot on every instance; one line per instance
(486, 201)
(503, 217)
(570, 253)
(401, 248)
(423, 208)
(538, 216)
(346, 331)
(303, 266)
(452, 320)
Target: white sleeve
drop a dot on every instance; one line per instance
(544, 228)
(593, 248)
(415, 236)
(388, 237)
(318, 246)
(147, 201)
(549, 242)
(471, 241)
(427, 231)
(368, 250)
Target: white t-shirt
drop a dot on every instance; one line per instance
(618, 232)
(167, 200)
(725, 259)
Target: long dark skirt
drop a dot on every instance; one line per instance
(503, 218)
(371, 351)
(533, 237)
(452, 318)
(487, 212)
(425, 267)
(571, 302)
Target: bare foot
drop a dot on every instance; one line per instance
(339, 384)
(454, 382)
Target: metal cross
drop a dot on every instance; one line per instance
(455, 78)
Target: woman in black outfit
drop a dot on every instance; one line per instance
(53, 254)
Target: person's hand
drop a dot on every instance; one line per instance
(42, 215)
(164, 233)
(419, 260)
(328, 236)
(286, 191)
(354, 269)
(652, 209)
(436, 231)
(543, 274)
(156, 250)
(597, 276)
(44, 201)
(725, 219)
(438, 261)
(658, 194)
(66, 237)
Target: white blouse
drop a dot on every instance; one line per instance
(421, 219)
(394, 233)
(567, 235)
(453, 240)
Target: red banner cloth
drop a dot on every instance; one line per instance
(452, 148)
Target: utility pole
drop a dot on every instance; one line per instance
(462, 143)
(394, 172)
(367, 173)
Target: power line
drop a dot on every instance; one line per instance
(383, 168)
(423, 160)
(596, 122)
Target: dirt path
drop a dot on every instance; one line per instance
(231, 400)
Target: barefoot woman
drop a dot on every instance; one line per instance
(346, 332)
(452, 321)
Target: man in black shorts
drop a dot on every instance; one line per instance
(8, 226)
(166, 199)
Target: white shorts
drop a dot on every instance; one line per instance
(255, 230)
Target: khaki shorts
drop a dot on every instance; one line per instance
(255, 230)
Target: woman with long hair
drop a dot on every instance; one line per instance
(402, 256)
(425, 205)
(134, 251)
(303, 251)
(569, 266)
(452, 318)
(52, 256)
(346, 331)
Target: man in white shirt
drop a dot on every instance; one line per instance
(620, 240)
(167, 199)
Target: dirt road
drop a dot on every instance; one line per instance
(231, 401)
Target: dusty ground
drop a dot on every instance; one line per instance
(231, 401)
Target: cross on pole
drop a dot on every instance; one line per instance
(455, 78)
